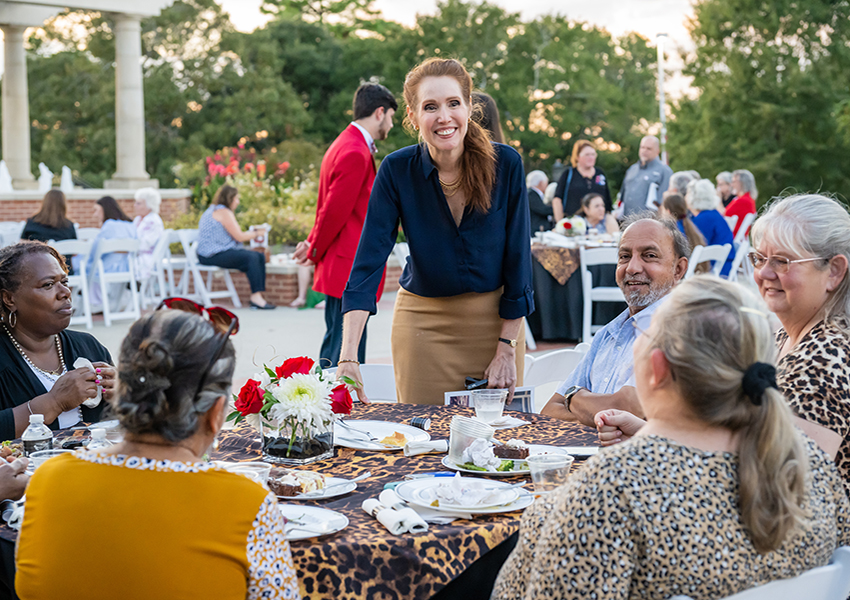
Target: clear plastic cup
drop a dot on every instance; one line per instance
(549, 471)
(489, 404)
(37, 458)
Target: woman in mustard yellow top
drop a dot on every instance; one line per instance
(148, 518)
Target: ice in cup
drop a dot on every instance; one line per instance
(549, 471)
(489, 404)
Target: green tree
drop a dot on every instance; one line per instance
(772, 81)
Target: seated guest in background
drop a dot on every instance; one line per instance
(549, 194)
(541, 213)
(174, 384)
(220, 242)
(679, 182)
(114, 224)
(149, 229)
(486, 113)
(801, 249)
(744, 188)
(37, 351)
(703, 203)
(716, 494)
(674, 207)
(51, 222)
(582, 178)
(724, 188)
(653, 257)
(597, 219)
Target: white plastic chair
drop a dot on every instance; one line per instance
(745, 225)
(546, 372)
(830, 582)
(732, 220)
(10, 232)
(700, 254)
(589, 257)
(170, 263)
(189, 240)
(740, 264)
(160, 284)
(79, 281)
(379, 381)
(401, 251)
(87, 233)
(130, 247)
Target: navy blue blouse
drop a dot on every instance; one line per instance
(487, 252)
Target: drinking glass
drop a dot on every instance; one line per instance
(489, 404)
(549, 471)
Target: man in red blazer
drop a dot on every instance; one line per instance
(345, 183)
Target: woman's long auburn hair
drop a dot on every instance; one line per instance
(53, 210)
(478, 161)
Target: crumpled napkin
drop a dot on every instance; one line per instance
(91, 402)
(17, 516)
(414, 448)
(397, 522)
(507, 422)
(429, 515)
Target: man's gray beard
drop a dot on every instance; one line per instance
(638, 299)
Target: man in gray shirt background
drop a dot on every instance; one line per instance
(648, 177)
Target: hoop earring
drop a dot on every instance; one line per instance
(15, 322)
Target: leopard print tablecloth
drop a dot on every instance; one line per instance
(364, 561)
(560, 263)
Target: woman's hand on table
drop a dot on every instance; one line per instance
(13, 478)
(108, 380)
(615, 426)
(74, 388)
(352, 371)
(501, 372)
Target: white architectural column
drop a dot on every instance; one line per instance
(16, 109)
(129, 106)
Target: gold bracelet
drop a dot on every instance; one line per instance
(339, 362)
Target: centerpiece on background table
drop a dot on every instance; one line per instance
(294, 408)
(571, 226)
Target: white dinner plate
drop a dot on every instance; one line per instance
(378, 429)
(339, 490)
(305, 522)
(532, 449)
(413, 492)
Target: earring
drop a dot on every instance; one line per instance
(15, 322)
(416, 128)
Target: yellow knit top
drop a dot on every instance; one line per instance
(103, 527)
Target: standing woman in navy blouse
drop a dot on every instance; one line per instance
(466, 287)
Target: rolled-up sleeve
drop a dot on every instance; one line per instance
(518, 297)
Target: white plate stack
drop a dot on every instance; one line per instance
(463, 432)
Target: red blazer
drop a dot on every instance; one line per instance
(345, 183)
(741, 207)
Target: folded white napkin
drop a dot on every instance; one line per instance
(507, 422)
(414, 448)
(428, 515)
(91, 402)
(396, 521)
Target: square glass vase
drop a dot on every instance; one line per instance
(304, 445)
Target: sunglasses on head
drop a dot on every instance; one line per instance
(220, 318)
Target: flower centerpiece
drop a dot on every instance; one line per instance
(294, 408)
(571, 226)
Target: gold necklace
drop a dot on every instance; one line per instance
(450, 186)
(56, 373)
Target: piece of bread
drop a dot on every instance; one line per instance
(396, 439)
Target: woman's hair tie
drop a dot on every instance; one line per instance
(757, 378)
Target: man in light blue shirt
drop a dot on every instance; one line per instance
(653, 257)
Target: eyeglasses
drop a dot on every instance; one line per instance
(778, 264)
(220, 318)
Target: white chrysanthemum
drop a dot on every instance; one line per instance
(303, 397)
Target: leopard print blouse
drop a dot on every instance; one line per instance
(651, 518)
(815, 378)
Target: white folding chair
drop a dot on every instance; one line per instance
(10, 232)
(87, 233)
(129, 247)
(830, 582)
(378, 380)
(401, 251)
(160, 284)
(740, 264)
(529, 337)
(732, 221)
(79, 281)
(546, 372)
(189, 240)
(590, 257)
(745, 225)
(700, 254)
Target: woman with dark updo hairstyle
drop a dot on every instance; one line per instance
(187, 529)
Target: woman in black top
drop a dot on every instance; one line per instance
(50, 223)
(583, 178)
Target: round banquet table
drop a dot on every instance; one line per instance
(365, 561)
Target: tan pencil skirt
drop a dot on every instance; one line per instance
(438, 342)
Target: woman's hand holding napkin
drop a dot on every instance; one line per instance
(86, 363)
(414, 448)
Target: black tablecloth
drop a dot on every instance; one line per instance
(558, 312)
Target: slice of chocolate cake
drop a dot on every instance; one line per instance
(514, 449)
(296, 482)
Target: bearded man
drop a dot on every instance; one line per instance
(652, 258)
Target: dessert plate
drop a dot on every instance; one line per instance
(419, 491)
(532, 449)
(305, 522)
(355, 434)
(340, 487)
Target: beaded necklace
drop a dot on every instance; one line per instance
(53, 375)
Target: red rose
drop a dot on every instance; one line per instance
(301, 364)
(341, 401)
(568, 225)
(250, 400)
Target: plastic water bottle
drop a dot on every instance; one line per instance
(37, 436)
(98, 439)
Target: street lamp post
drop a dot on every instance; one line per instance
(662, 107)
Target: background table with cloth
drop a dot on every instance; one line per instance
(558, 289)
(364, 561)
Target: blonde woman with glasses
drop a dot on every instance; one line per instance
(717, 493)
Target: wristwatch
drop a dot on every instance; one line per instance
(568, 395)
(511, 343)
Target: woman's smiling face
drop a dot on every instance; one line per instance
(442, 114)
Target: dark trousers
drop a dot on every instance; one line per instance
(253, 264)
(332, 344)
